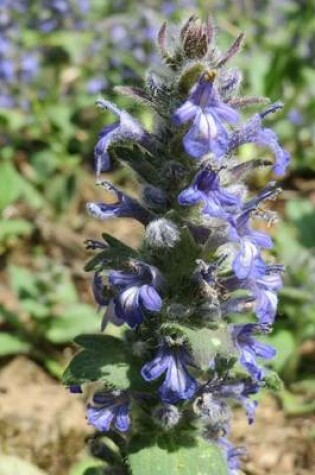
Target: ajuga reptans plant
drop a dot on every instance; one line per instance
(189, 348)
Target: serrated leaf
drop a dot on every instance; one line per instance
(199, 459)
(75, 319)
(10, 465)
(104, 358)
(11, 344)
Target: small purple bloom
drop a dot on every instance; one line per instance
(125, 207)
(75, 389)
(98, 290)
(29, 66)
(127, 128)
(208, 112)
(206, 188)
(96, 85)
(253, 132)
(250, 241)
(178, 383)
(109, 408)
(138, 291)
(250, 349)
(232, 454)
(239, 391)
(265, 288)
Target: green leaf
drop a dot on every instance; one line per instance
(206, 343)
(140, 161)
(103, 358)
(76, 319)
(13, 228)
(94, 471)
(197, 458)
(10, 465)
(286, 347)
(35, 309)
(23, 282)
(12, 344)
(88, 466)
(110, 257)
(295, 405)
(64, 290)
(10, 188)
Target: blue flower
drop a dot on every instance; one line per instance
(253, 132)
(237, 390)
(137, 292)
(75, 389)
(231, 453)
(263, 283)
(109, 408)
(250, 349)
(125, 207)
(206, 188)
(248, 258)
(127, 128)
(208, 112)
(265, 287)
(178, 383)
(98, 290)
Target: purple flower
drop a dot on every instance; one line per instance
(231, 453)
(98, 290)
(75, 389)
(254, 132)
(206, 188)
(248, 258)
(96, 85)
(137, 292)
(109, 408)
(263, 284)
(178, 383)
(238, 391)
(125, 207)
(250, 349)
(208, 112)
(29, 66)
(7, 70)
(127, 128)
(265, 287)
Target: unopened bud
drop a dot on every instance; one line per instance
(166, 416)
(162, 233)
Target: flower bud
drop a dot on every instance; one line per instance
(166, 416)
(162, 233)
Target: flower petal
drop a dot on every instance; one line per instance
(149, 298)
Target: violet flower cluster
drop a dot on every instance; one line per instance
(199, 292)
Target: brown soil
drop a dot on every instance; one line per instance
(276, 444)
(39, 421)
